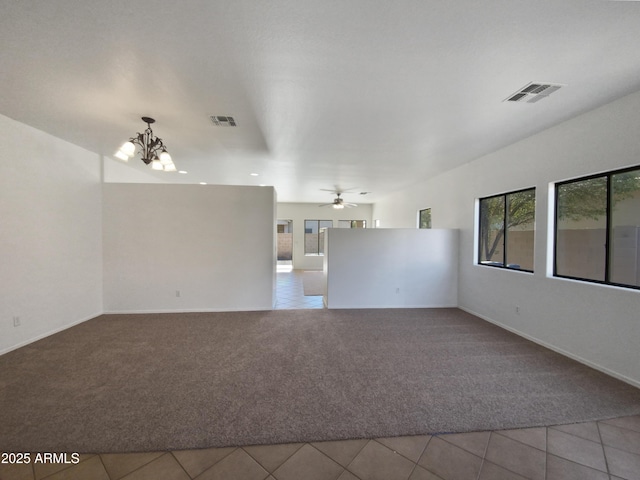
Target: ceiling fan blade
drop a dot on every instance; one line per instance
(337, 190)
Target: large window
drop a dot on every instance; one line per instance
(507, 228)
(424, 218)
(597, 236)
(352, 224)
(314, 236)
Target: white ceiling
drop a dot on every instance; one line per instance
(371, 95)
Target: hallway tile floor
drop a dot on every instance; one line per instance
(604, 450)
(290, 293)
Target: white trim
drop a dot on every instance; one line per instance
(595, 283)
(476, 232)
(49, 333)
(399, 307)
(551, 228)
(504, 269)
(577, 358)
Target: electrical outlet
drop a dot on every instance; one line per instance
(177, 293)
(16, 321)
(518, 309)
(397, 290)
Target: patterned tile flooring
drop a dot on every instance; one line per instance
(290, 293)
(604, 450)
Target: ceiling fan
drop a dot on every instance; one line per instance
(339, 203)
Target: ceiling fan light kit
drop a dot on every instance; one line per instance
(338, 203)
(152, 149)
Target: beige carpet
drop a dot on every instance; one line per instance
(313, 282)
(183, 381)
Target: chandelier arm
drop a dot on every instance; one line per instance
(155, 146)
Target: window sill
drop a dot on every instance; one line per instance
(505, 269)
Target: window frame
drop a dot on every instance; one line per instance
(608, 222)
(351, 222)
(319, 254)
(420, 219)
(504, 265)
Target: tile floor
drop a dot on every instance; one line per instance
(290, 294)
(607, 450)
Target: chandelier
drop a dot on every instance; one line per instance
(152, 149)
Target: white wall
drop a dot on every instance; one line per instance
(391, 268)
(214, 244)
(299, 212)
(596, 324)
(133, 171)
(50, 234)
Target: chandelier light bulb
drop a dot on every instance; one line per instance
(156, 165)
(128, 149)
(170, 167)
(165, 158)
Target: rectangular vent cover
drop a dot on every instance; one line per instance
(533, 92)
(223, 121)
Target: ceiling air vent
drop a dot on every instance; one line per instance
(533, 92)
(223, 121)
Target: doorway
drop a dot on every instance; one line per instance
(290, 283)
(285, 245)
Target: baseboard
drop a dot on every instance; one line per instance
(389, 306)
(49, 333)
(556, 349)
